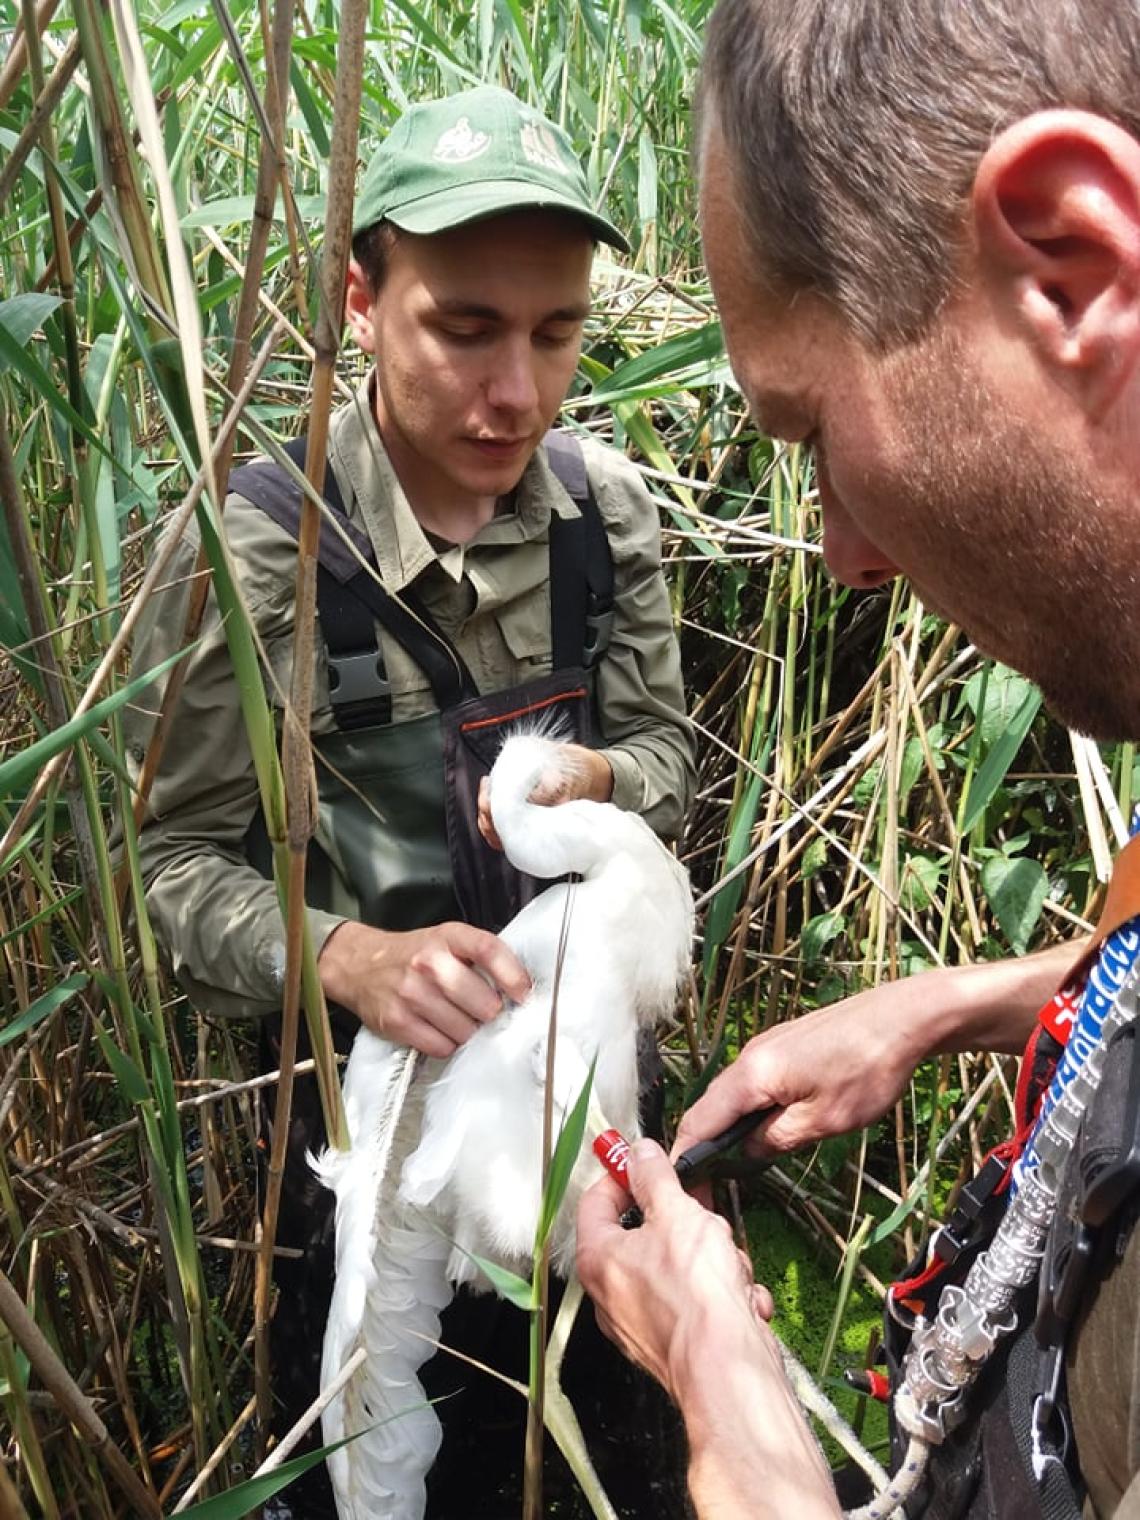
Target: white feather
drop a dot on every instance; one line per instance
(471, 1138)
(390, 1287)
(478, 1165)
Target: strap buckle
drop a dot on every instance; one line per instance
(1049, 1417)
(599, 632)
(357, 678)
(963, 1228)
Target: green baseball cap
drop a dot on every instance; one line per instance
(482, 153)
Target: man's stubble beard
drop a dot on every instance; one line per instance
(1018, 548)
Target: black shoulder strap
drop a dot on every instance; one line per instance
(581, 565)
(351, 600)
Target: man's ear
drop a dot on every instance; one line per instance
(358, 302)
(1056, 213)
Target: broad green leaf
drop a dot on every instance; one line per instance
(898, 1215)
(1017, 890)
(131, 1081)
(913, 761)
(13, 620)
(516, 1290)
(17, 771)
(992, 771)
(21, 315)
(703, 347)
(235, 210)
(25, 364)
(865, 789)
(240, 1501)
(677, 382)
(310, 109)
(818, 933)
(22, 1368)
(919, 881)
(814, 858)
(55, 904)
(723, 907)
(47, 1003)
(1005, 691)
(566, 1152)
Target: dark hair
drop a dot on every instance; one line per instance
(371, 248)
(855, 128)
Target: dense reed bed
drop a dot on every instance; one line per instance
(874, 797)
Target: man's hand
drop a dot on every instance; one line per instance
(843, 1066)
(679, 1298)
(828, 1072)
(587, 774)
(649, 1284)
(428, 988)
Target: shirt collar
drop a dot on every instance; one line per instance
(403, 551)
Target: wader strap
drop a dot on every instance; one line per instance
(351, 600)
(581, 566)
(350, 597)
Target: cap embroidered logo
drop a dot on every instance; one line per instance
(540, 148)
(459, 144)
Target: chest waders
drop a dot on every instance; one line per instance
(976, 1331)
(398, 846)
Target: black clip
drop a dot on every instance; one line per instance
(1063, 1275)
(1049, 1417)
(962, 1228)
(357, 678)
(599, 632)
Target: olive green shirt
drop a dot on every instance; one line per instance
(216, 916)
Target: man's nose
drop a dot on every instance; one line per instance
(511, 385)
(847, 552)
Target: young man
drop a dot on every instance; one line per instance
(922, 225)
(517, 573)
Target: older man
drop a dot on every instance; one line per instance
(922, 225)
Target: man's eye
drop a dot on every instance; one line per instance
(557, 337)
(463, 332)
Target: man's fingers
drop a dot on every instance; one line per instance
(428, 1038)
(599, 1222)
(441, 981)
(731, 1095)
(483, 817)
(652, 1180)
(435, 1006)
(602, 1205)
(489, 953)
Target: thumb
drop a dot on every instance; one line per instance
(652, 1180)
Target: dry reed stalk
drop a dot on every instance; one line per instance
(155, 571)
(75, 1406)
(48, 97)
(297, 761)
(14, 64)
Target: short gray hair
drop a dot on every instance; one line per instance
(855, 128)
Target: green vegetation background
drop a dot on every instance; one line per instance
(874, 797)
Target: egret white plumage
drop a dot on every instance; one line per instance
(446, 1157)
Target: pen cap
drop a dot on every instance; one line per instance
(612, 1150)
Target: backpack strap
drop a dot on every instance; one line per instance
(351, 600)
(581, 565)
